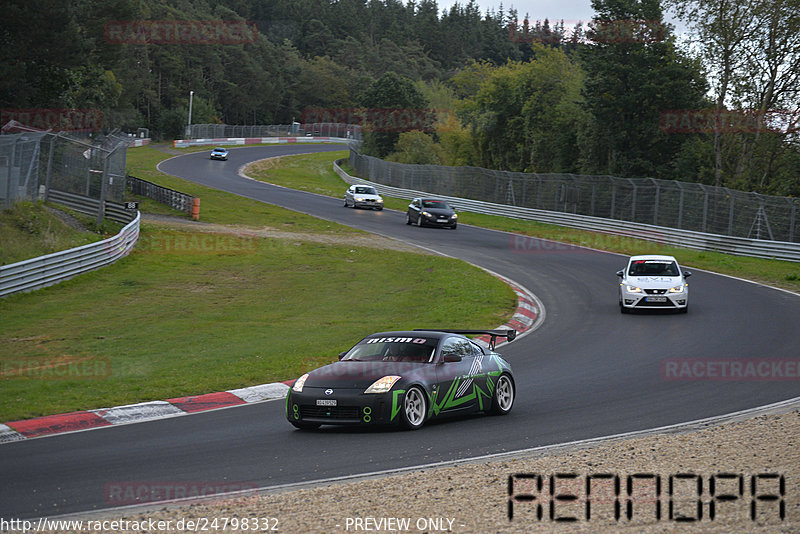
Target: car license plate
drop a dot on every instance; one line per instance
(441, 220)
(326, 402)
(656, 299)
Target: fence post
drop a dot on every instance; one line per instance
(658, 199)
(101, 208)
(49, 175)
(705, 207)
(680, 204)
(730, 214)
(791, 219)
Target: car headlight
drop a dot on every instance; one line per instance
(426, 214)
(676, 289)
(382, 385)
(454, 216)
(359, 199)
(379, 200)
(633, 289)
(298, 384)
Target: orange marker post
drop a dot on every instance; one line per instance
(196, 209)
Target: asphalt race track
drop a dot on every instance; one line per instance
(588, 371)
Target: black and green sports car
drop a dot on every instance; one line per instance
(405, 378)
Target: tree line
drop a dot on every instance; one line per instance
(620, 94)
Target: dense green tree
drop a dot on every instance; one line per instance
(525, 115)
(417, 148)
(630, 82)
(388, 100)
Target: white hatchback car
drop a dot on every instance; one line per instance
(362, 196)
(653, 282)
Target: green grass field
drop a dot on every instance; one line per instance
(189, 312)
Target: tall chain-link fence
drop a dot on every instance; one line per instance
(317, 129)
(33, 164)
(667, 203)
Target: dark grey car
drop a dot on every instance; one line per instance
(431, 212)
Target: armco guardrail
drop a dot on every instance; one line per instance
(740, 246)
(170, 197)
(115, 211)
(232, 141)
(59, 266)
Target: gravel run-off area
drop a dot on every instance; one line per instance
(474, 497)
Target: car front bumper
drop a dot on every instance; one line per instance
(353, 407)
(367, 204)
(444, 222)
(644, 300)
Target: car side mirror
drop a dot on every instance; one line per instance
(620, 273)
(452, 358)
(341, 354)
(687, 274)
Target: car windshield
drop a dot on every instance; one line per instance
(436, 204)
(393, 349)
(366, 191)
(219, 150)
(653, 268)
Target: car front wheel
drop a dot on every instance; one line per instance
(503, 398)
(414, 408)
(408, 218)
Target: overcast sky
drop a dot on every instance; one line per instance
(570, 11)
(554, 10)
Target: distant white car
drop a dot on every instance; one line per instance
(362, 196)
(219, 153)
(653, 282)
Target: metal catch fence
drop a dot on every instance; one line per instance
(663, 203)
(33, 164)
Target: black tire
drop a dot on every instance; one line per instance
(414, 409)
(379, 209)
(504, 395)
(684, 310)
(345, 203)
(419, 220)
(305, 426)
(454, 226)
(408, 218)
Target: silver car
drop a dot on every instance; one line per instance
(362, 196)
(219, 153)
(653, 282)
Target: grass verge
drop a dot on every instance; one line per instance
(188, 313)
(784, 274)
(29, 230)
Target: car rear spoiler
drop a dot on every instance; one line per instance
(510, 335)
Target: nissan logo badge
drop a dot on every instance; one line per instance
(328, 392)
